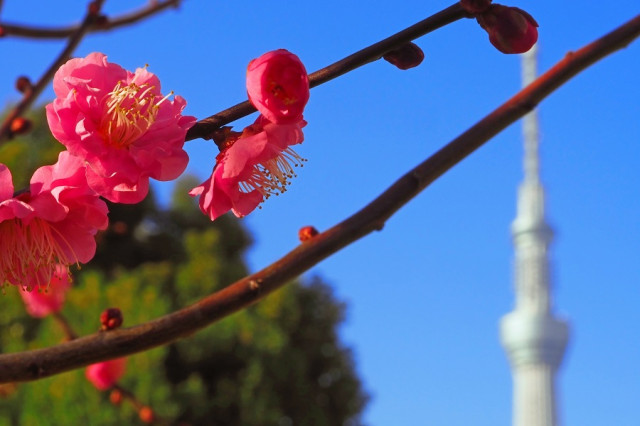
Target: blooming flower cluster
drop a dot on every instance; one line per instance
(259, 161)
(119, 131)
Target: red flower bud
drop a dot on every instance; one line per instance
(20, 125)
(406, 56)
(115, 397)
(511, 30)
(119, 227)
(2, 31)
(94, 8)
(475, 6)
(306, 233)
(111, 318)
(23, 84)
(146, 414)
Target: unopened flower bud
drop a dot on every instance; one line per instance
(119, 227)
(511, 30)
(406, 56)
(146, 414)
(278, 86)
(306, 233)
(475, 6)
(20, 125)
(8, 389)
(115, 397)
(94, 8)
(111, 318)
(23, 84)
(2, 31)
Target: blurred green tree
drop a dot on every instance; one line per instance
(279, 362)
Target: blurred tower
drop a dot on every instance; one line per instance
(533, 338)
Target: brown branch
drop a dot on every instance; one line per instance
(128, 395)
(97, 347)
(30, 96)
(205, 127)
(126, 19)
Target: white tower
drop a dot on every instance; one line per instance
(533, 338)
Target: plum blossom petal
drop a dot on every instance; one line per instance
(104, 375)
(45, 300)
(53, 223)
(256, 165)
(278, 86)
(6, 183)
(120, 124)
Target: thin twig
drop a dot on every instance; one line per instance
(31, 96)
(151, 8)
(205, 127)
(137, 404)
(69, 332)
(31, 365)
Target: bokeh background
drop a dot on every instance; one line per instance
(424, 295)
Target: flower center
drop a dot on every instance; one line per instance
(280, 93)
(31, 253)
(129, 111)
(273, 176)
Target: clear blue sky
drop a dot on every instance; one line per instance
(425, 295)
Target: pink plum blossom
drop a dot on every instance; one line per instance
(104, 375)
(278, 86)
(120, 124)
(46, 300)
(251, 167)
(52, 223)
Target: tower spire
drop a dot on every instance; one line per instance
(533, 338)
(530, 121)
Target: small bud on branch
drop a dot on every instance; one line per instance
(94, 8)
(475, 6)
(306, 233)
(110, 318)
(20, 125)
(405, 57)
(23, 84)
(511, 30)
(146, 414)
(115, 397)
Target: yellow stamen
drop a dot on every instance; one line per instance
(129, 111)
(273, 176)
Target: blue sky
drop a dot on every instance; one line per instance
(426, 293)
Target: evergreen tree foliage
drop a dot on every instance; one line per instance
(279, 362)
